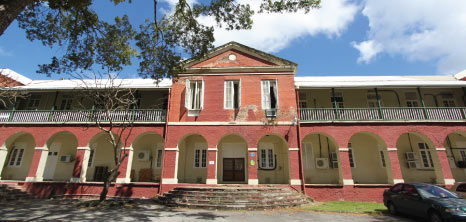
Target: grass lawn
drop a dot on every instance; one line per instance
(348, 207)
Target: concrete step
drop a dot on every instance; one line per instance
(13, 192)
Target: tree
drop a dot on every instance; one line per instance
(90, 41)
(112, 114)
(8, 94)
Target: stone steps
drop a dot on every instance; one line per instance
(233, 197)
(13, 192)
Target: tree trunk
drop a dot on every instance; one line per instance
(9, 10)
(108, 180)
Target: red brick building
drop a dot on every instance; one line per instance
(240, 116)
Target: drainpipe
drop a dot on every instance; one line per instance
(165, 138)
(301, 169)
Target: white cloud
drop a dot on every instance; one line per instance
(369, 49)
(3, 52)
(419, 30)
(273, 32)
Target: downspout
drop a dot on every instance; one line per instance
(301, 169)
(165, 136)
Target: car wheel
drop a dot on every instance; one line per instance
(392, 208)
(435, 217)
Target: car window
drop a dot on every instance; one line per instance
(429, 191)
(397, 188)
(461, 187)
(409, 189)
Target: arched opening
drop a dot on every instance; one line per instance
(368, 159)
(101, 157)
(273, 160)
(61, 157)
(418, 158)
(455, 143)
(320, 159)
(232, 159)
(192, 159)
(147, 158)
(19, 156)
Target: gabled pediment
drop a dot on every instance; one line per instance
(233, 55)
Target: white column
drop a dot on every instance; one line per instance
(41, 167)
(3, 155)
(87, 153)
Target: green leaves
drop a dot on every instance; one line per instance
(88, 42)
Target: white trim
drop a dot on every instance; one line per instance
(3, 148)
(252, 123)
(348, 182)
(30, 179)
(295, 182)
(253, 181)
(41, 148)
(233, 73)
(212, 149)
(75, 180)
(83, 148)
(127, 148)
(129, 165)
(41, 165)
(172, 149)
(343, 149)
(441, 149)
(395, 181)
(252, 149)
(169, 180)
(123, 180)
(211, 181)
(293, 149)
(449, 181)
(392, 149)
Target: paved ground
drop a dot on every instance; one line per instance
(67, 210)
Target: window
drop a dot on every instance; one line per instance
(267, 156)
(308, 155)
(411, 99)
(382, 158)
(200, 158)
(351, 155)
(302, 100)
(338, 99)
(397, 188)
(425, 155)
(448, 100)
(372, 100)
(91, 157)
(16, 157)
(66, 102)
(158, 164)
(33, 102)
(463, 154)
(232, 95)
(194, 99)
(269, 94)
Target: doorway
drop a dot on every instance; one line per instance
(233, 169)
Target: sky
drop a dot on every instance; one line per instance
(343, 37)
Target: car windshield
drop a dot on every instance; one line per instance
(428, 191)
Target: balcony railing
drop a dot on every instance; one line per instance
(383, 113)
(82, 116)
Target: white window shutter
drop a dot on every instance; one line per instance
(239, 93)
(187, 97)
(202, 95)
(265, 94)
(276, 93)
(228, 104)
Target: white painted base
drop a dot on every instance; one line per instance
(75, 180)
(170, 180)
(123, 180)
(253, 181)
(211, 181)
(395, 181)
(348, 182)
(449, 181)
(30, 179)
(295, 182)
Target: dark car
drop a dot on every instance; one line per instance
(425, 200)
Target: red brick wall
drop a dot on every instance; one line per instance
(242, 59)
(347, 193)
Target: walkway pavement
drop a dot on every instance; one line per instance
(68, 210)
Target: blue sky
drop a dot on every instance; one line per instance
(344, 37)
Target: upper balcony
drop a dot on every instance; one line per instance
(401, 104)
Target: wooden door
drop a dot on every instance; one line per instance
(233, 169)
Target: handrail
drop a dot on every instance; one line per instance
(82, 116)
(383, 113)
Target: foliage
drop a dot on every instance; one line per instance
(90, 41)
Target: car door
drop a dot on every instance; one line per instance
(394, 195)
(411, 202)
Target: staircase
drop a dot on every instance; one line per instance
(226, 198)
(13, 192)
